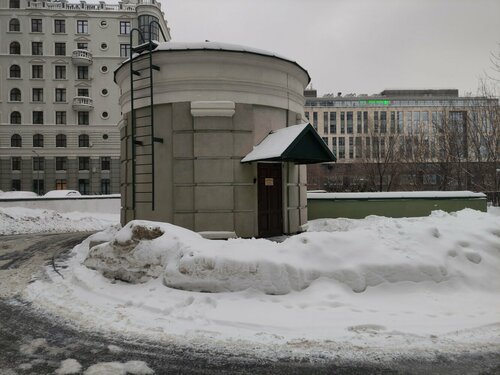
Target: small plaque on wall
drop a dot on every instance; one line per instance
(269, 182)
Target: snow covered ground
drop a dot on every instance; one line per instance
(18, 220)
(347, 288)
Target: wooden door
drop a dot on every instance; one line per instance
(270, 195)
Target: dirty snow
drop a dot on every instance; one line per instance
(117, 368)
(344, 288)
(19, 220)
(69, 366)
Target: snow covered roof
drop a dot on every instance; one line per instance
(397, 194)
(298, 143)
(215, 46)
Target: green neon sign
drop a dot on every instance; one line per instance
(379, 102)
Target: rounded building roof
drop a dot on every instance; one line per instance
(215, 46)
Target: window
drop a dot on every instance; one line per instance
(83, 186)
(15, 71)
(38, 140)
(400, 121)
(15, 95)
(104, 92)
(383, 122)
(36, 25)
(104, 24)
(104, 46)
(393, 122)
(82, 27)
(358, 147)
(333, 122)
(60, 49)
(83, 118)
(375, 122)
(145, 25)
(38, 163)
(61, 140)
(16, 141)
(124, 50)
(124, 27)
(61, 118)
(325, 123)
(38, 117)
(61, 162)
(16, 185)
(82, 92)
(351, 147)
(342, 124)
(365, 122)
(16, 163)
(334, 146)
(59, 26)
(105, 186)
(38, 186)
(37, 71)
(341, 148)
(37, 95)
(61, 184)
(82, 45)
(83, 72)
(359, 122)
(315, 121)
(60, 95)
(15, 48)
(37, 48)
(14, 25)
(349, 122)
(83, 140)
(307, 115)
(60, 72)
(14, 4)
(105, 163)
(15, 118)
(325, 139)
(83, 163)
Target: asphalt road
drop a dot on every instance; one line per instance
(22, 258)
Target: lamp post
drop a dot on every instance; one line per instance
(37, 172)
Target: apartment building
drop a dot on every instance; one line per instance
(406, 139)
(58, 102)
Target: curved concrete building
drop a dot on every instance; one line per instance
(213, 140)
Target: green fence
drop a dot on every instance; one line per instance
(360, 205)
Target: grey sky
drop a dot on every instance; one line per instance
(360, 46)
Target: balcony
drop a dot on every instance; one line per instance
(83, 104)
(81, 57)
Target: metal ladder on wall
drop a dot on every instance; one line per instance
(142, 119)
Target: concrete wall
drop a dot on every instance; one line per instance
(106, 204)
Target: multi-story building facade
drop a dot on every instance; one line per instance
(406, 139)
(58, 102)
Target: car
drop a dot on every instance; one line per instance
(62, 193)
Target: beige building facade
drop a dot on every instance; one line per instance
(406, 139)
(58, 102)
(212, 104)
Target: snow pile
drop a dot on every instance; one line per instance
(18, 220)
(355, 253)
(366, 288)
(17, 194)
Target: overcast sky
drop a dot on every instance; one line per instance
(355, 46)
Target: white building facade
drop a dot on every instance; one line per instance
(58, 103)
